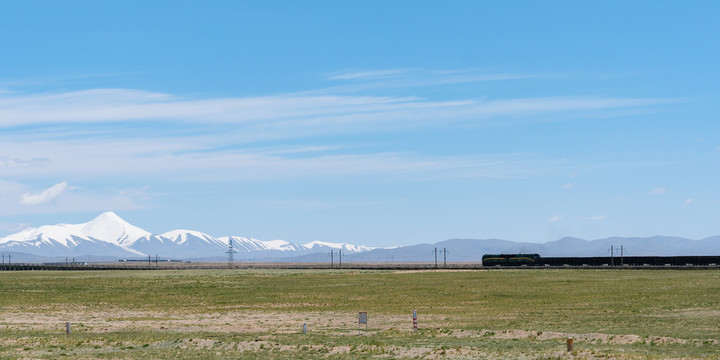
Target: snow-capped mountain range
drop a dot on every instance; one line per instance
(110, 236)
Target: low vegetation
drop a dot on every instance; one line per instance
(490, 314)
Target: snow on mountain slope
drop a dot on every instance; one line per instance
(249, 244)
(337, 246)
(282, 245)
(106, 227)
(244, 244)
(72, 245)
(110, 235)
(112, 228)
(180, 244)
(62, 234)
(183, 236)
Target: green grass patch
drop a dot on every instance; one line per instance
(468, 314)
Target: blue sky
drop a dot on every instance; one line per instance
(373, 122)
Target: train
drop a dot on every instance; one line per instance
(537, 260)
(511, 260)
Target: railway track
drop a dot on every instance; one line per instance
(349, 266)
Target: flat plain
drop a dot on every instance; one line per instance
(259, 314)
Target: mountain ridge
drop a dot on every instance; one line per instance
(108, 236)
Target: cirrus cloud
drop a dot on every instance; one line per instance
(658, 191)
(46, 196)
(593, 217)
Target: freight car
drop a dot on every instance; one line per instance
(632, 261)
(536, 260)
(511, 259)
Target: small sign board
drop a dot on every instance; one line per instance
(362, 319)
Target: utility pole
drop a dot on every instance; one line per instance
(435, 252)
(612, 258)
(445, 257)
(149, 260)
(622, 249)
(331, 257)
(340, 256)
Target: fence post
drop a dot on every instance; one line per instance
(414, 321)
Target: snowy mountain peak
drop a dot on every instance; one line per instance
(108, 216)
(110, 227)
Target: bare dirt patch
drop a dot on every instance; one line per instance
(246, 321)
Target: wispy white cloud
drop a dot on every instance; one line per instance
(687, 202)
(311, 205)
(214, 154)
(199, 158)
(80, 199)
(658, 191)
(95, 152)
(567, 186)
(59, 80)
(45, 196)
(6, 162)
(593, 217)
(316, 113)
(214, 158)
(555, 218)
(413, 78)
(364, 75)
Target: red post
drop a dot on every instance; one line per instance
(414, 320)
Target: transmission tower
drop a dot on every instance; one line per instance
(231, 252)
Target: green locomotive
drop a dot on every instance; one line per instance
(511, 259)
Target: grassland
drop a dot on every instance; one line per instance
(256, 314)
